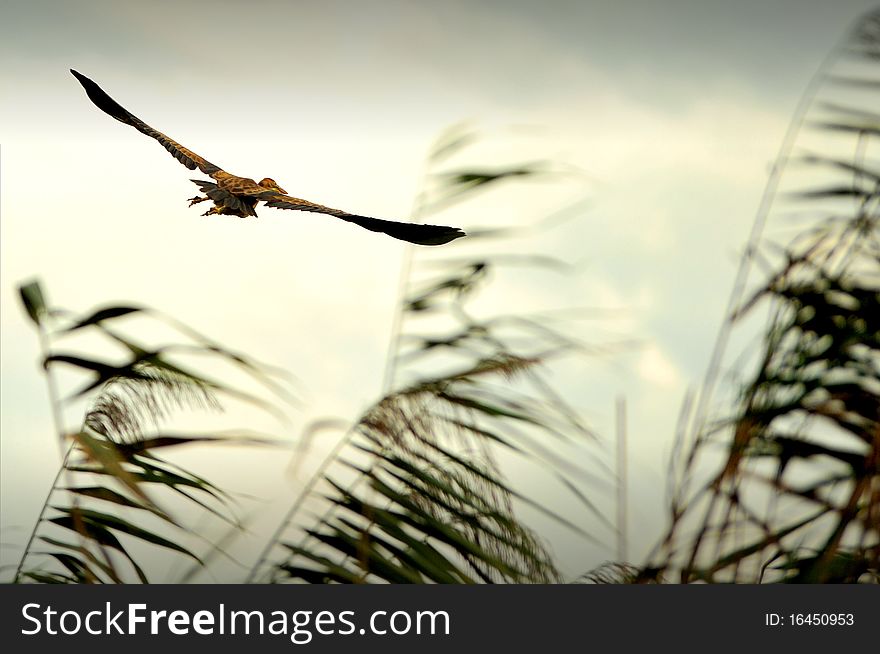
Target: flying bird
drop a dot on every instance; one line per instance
(238, 196)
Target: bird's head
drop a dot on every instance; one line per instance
(272, 185)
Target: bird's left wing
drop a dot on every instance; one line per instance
(109, 106)
(410, 232)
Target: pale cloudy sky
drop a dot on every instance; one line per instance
(672, 111)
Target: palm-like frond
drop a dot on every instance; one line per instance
(797, 495)
(101, 504)
(127, 406)
(414, 492)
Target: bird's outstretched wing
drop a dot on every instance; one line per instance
(109, 106)
(411, 232)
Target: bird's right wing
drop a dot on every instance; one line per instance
(417, 233)
(109, 106)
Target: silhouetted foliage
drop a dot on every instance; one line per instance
(797, 496)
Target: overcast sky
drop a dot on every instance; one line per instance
(671, 111)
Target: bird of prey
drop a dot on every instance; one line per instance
(239, 196)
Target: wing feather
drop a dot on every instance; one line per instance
(411, 232)
(112, 108)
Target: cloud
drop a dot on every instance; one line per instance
(656, 368)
